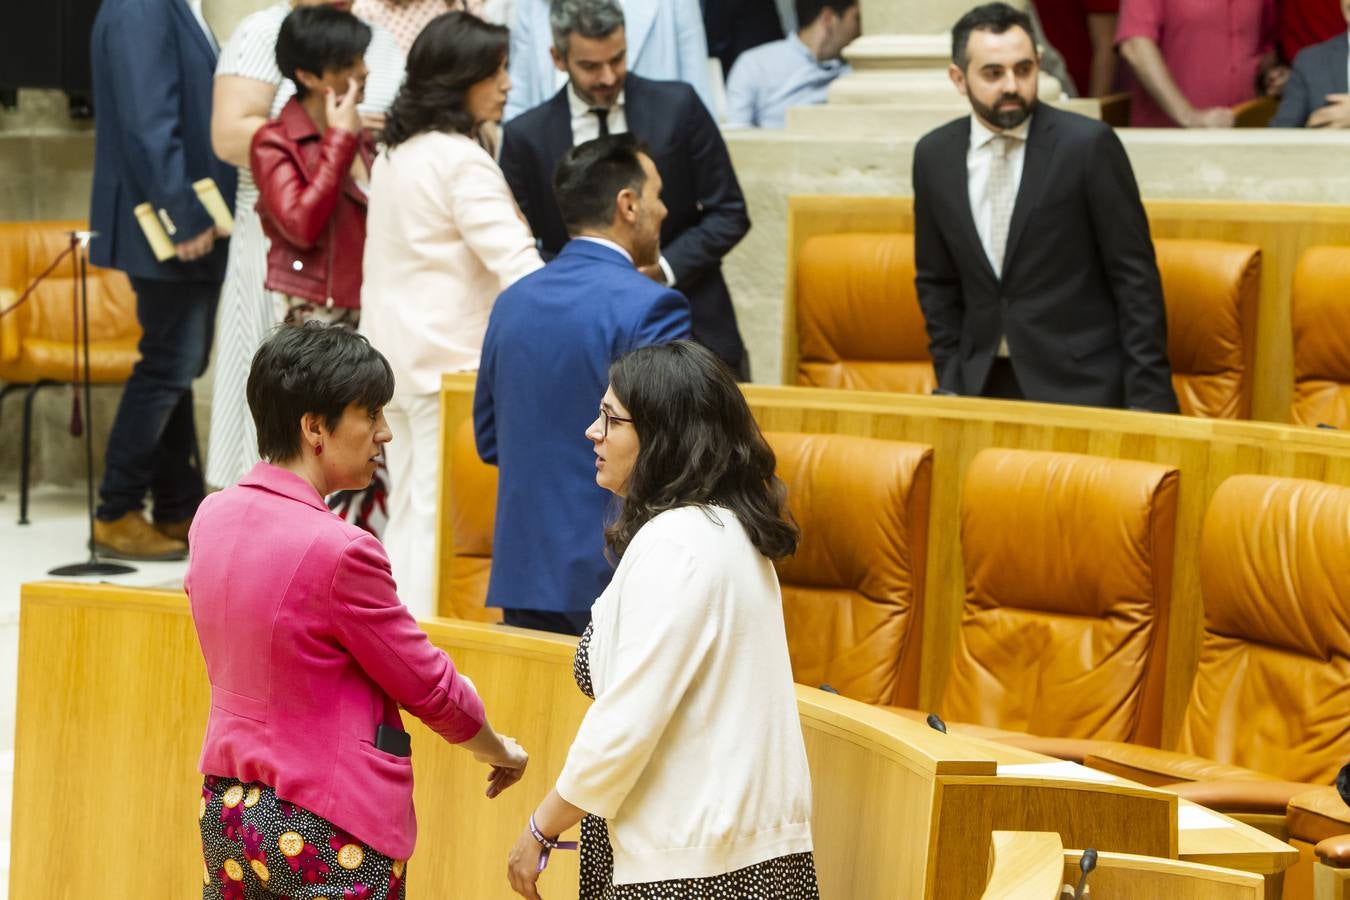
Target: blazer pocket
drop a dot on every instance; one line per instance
(238, 704)
(385, 762)
(1082, 346)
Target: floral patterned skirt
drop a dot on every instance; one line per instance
(256, 846)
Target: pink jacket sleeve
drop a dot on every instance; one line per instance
(1140, 18)
(375, 626)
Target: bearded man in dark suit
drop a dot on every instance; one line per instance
(1034, 264)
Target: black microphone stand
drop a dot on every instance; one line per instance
(79, 243)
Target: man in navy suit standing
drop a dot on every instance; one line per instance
(550, 340)
(153, 63)
(707, 215)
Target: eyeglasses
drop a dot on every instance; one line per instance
(606, 416)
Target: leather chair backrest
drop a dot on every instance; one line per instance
(1320, 304)
(471, 518)
(1270, 690)
(38, 340)
(1210, 289)
(853, 592)
(859, 325)
(1068, 563)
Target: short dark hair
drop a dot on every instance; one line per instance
(319, 39)
(994, 17)
(455, 51)
(698, 445)
(588, 178)
(588, 18)
(312, 368)
(809, 10)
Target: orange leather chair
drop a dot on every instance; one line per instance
(1269, 700)
(1068, 564)
(1321, 318)
(859, 325)
(38, 341)
(853, 592)
(470, 520)
(1210, 289)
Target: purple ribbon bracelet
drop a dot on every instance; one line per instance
(547, 844)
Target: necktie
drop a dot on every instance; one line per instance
(1001, 198)
(602, 115)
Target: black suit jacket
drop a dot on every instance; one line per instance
(706, 211)
(1079, 297)
(1318, 70)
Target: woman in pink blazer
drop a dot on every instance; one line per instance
(309, 652)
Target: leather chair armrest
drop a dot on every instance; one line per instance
(9, 327)
(1241, 795)
(1318, 814)
(1157, 768)
(1334, 851)
(1072, 749)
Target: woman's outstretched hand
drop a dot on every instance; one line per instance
(508, 765)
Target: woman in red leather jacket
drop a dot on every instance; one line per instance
(312, 167)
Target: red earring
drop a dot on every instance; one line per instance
(318, 449)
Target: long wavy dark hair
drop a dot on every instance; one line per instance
(698, 445)
(453, 53)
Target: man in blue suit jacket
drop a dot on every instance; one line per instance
(1317, 94)
(550, 340)
(666, 41)
(153, 63)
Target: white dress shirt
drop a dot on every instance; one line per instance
(978, 160)
(606, 242)
(586, 127)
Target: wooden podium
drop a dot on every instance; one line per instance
(113, 701)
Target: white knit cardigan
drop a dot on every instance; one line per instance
(693, 748)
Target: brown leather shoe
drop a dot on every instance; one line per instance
(132, 537)
(177, 531)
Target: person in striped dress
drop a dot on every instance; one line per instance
(250, 90)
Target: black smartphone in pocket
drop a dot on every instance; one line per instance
(391, 740)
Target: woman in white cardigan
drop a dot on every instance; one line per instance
(443, 238)
(688, 773)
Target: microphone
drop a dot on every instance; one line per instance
(84, 237)
(1086, 864)
(935, 722)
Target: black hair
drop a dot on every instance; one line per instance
(319, 39)
(993, 17)
(809, 10)
(588, 178)
(312, 368)
(455, 51)
(698, 445)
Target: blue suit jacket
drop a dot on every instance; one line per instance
(550, 340)
(153, 69)
(665, 42)
(1318, 70)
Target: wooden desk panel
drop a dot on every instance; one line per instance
(113, 700)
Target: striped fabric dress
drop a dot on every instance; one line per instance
(248, 311)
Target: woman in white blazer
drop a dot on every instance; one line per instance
(443, 238)
(688, 773)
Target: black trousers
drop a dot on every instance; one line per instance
(541, 620)
(1002, 382)
(153, 443)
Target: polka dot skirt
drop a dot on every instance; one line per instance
(256, 846)
(791, 877)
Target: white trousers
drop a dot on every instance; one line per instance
(414, 460)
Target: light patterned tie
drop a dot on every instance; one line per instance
(1002, 196)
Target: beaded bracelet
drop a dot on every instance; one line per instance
(547, 844)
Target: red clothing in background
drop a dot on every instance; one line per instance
(1213, 49)
(1066, 29)
(1307, 22)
